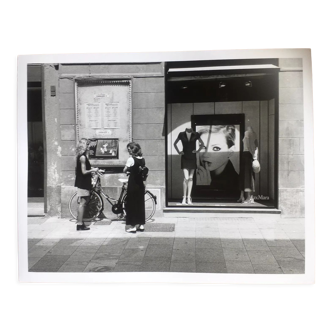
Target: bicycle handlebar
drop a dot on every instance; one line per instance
(100, 172)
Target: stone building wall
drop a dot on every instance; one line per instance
(291, 138)
(147, 113)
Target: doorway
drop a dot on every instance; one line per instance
(35, 142)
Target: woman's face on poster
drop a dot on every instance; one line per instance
(216, 153)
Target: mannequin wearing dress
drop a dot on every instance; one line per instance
(188, 139)
(250, 153)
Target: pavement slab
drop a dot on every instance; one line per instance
(186, 243)
(208, 243)
(150, 264)
(156, 250)
(183, 267)
(232, 243)
(74, 266)
(235, 254)
(239, 267)
(292, 266)
(183, 255)
(255, 244)
(261, 257)
(215, 267)
(50, 263)
(267, 269)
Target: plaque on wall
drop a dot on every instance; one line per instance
(103, 115)
(104, 148)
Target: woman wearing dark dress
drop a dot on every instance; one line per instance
(135, 206)
(188, 139)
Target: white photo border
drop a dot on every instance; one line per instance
(166, 277)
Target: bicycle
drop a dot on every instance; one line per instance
(95, 204)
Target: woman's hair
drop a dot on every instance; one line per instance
(81, 147)
(228, 131)
(135, 149)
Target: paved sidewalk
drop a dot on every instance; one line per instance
(260, 244)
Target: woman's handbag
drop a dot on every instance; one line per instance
(144, 172)
(256, 167)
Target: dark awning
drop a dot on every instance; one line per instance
(194, 73)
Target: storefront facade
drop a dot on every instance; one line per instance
(150, 103)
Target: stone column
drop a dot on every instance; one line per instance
(291, 133)
(52, 157)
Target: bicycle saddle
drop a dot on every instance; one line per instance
(123, 180)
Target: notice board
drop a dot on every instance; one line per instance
(104, 115)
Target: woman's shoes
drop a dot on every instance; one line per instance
(184, 201)
(240, 200)
(131, 230)
(190, 201)
(82, 228)
(141, 228)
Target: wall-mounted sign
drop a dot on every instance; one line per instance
(111, 115)
(93, 116)
(104, 133)
(103, 114)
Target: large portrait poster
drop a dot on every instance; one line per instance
(218, 172)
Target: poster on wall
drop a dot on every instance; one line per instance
(103, 112)
(218, 163)
(93, 115)
(111, 115)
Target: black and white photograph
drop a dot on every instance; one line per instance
(176, 165)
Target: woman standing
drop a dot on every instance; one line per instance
(135, 207)
(188, 160)
(83, 173)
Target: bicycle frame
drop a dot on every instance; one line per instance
(99, 190)
(118, 205)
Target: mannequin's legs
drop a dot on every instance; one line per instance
(250, 198)
(185, 185)
(241, 199)
(190, 185)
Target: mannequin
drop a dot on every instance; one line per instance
(250, 153)
(188, 160)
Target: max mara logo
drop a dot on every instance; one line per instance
(261, 198)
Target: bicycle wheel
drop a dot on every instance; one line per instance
(150, 205)
(92, 210)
